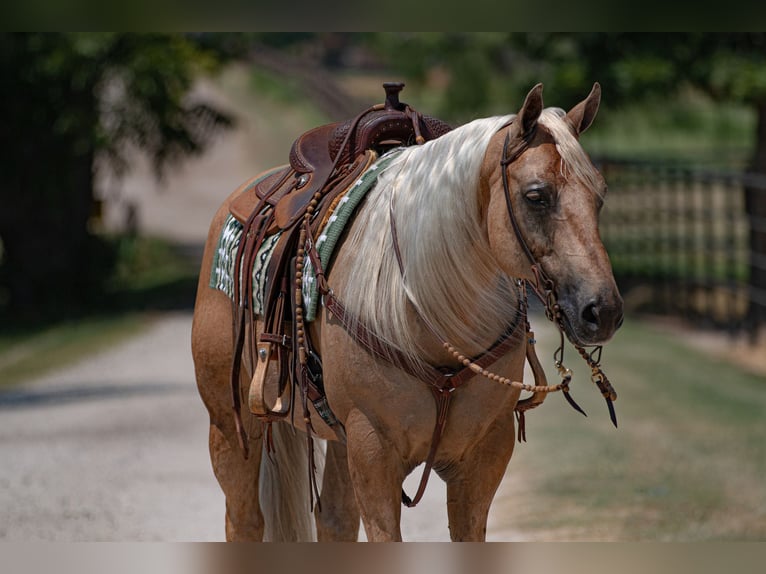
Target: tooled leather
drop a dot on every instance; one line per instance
(376, 128)
(309, 151)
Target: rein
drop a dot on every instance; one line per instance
(545, 289)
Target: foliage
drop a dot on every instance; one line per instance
(149, 275)
(144, 99)
(634, 66)
(70, 100)
(479, 73)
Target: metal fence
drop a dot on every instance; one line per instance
(680, 242)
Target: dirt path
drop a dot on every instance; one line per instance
(113, 448)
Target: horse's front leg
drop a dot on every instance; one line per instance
(471, 484)
(338, 520)
(377, 473)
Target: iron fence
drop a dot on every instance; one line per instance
(687, 241)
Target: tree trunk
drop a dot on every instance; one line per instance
(755, 205)
(47, 265)
(50, 119)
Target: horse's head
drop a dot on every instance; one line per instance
(545, 213)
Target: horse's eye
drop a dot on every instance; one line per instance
(536, 197)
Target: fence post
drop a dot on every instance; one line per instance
(755, 207)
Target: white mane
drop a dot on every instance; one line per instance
(451, 275)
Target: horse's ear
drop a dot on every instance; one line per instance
(531, 110)
(581, 116)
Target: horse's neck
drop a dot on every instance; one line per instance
(450, 275)
(479, 325)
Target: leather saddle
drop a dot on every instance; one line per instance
(318, 152)
(323, 163)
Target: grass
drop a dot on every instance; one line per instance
(691, 129)
(686, 464)
(150, 276)
(26, 353)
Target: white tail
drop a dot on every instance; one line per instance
(284, 486)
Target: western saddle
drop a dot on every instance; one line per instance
(294, 201)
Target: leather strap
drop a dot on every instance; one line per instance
(441, 382)
(252, 235)
(545, 289)
(509, 156)
(443, 400)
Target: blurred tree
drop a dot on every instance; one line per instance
(66, 100)
(728, 67)
(467, 66)
(301, 61)
(480, 68)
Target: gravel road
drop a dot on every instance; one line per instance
(115, 448)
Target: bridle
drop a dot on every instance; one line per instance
(545, 289)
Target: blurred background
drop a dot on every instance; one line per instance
(117, 149)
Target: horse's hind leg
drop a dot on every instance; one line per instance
(237, 476)
(472, 484)
(212, 352)
(338, 520)
(239, 481)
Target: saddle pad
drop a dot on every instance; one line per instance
(222, 273)
(333, 229)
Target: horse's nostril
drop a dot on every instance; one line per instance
(591, 313)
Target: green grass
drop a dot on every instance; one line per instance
(26, 353)
(686, 464)
(150, 276)
(691, 129)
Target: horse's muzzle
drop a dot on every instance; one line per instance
(600, 318)
(591, 318)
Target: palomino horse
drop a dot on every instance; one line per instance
(476, 212)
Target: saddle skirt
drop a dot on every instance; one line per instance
(223, 274)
